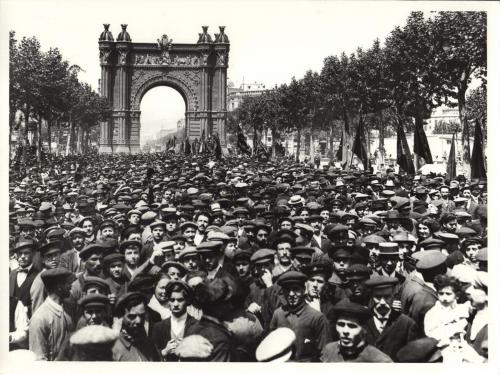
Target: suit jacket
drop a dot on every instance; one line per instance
(412, 285)
(423, 301)
(22, 293)
(399, 331)
(161, 334)
(472, 209)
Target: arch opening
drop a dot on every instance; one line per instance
(163, 114)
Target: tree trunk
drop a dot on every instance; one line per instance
(79, 139)
(331, 139)
(273, 147)
(12, 119)
(25, 137)
(49, 133)
(311, 147)
(298, 146)
(70, 133)
(381, 140)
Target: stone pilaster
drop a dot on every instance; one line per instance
(106, 55)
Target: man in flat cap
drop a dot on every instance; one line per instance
(310, 326)
(352, 345)
(91, 255)
(71, 259)
(133, 344)
(50, 254)
(95, 312)
(50, 323)
(388, 329)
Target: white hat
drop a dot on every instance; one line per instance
(277, 346)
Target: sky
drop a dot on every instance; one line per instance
(271, 41)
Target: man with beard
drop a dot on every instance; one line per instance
(448, 205)
(352, 345)
(91, 256)
(262, 232)
(387, 330)
(310, 326)
(71, 259)
(50, 323)
(167, 334)
(50, 254)
(202, 220)
(262, 263)
(133, 344)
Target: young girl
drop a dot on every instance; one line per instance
(446, 318)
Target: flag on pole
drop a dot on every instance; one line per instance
(451, 168)
(202, 143)
(403, 152)
(421, 146)
(477, 164)
(217, 148)
(358, 147)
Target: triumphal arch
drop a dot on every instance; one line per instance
(128, 70)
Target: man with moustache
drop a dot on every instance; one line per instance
(283, 244)
(91, 256)
(202, 220)
(22, 278)
(388, 329)
(133, 344)
(310, 326)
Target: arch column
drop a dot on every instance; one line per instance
(106, 84)
(121, 116)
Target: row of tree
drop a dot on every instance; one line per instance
(45, 92)
(425, 64)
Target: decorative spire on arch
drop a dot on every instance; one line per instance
(106, 35)
(124, 36)
(205, 36)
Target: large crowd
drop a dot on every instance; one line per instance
(162, 257)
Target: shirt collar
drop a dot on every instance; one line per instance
(181, 319)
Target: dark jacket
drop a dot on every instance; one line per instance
(422, 302)
(22, 293)
(218, 335)
(399, 331)
(161, 334)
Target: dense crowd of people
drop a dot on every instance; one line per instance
(157, 257)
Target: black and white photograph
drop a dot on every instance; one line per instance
(283, 181)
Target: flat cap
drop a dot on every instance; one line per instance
(262, 255)
(90, 250)
(242, 254)
(107, 223)
(166, 246)
(113, 257)
(430, 259)
(349, 309)
(182, 269)
(77, 231)
(419, 350)
(127, 299)
(381, 281)
(148, 216)
(92, 281)
(209, 246)
(358, 272)
(291, 277)
(431, 243)
(277, 346)
(403, 237)
(158, 223)
(93, 300)
(318, 268)
(56, 276)
(188, 252)
(188, 224)
(130, 243)
(302, 251)
(24, 243)
(50, 247)
(373, 239)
